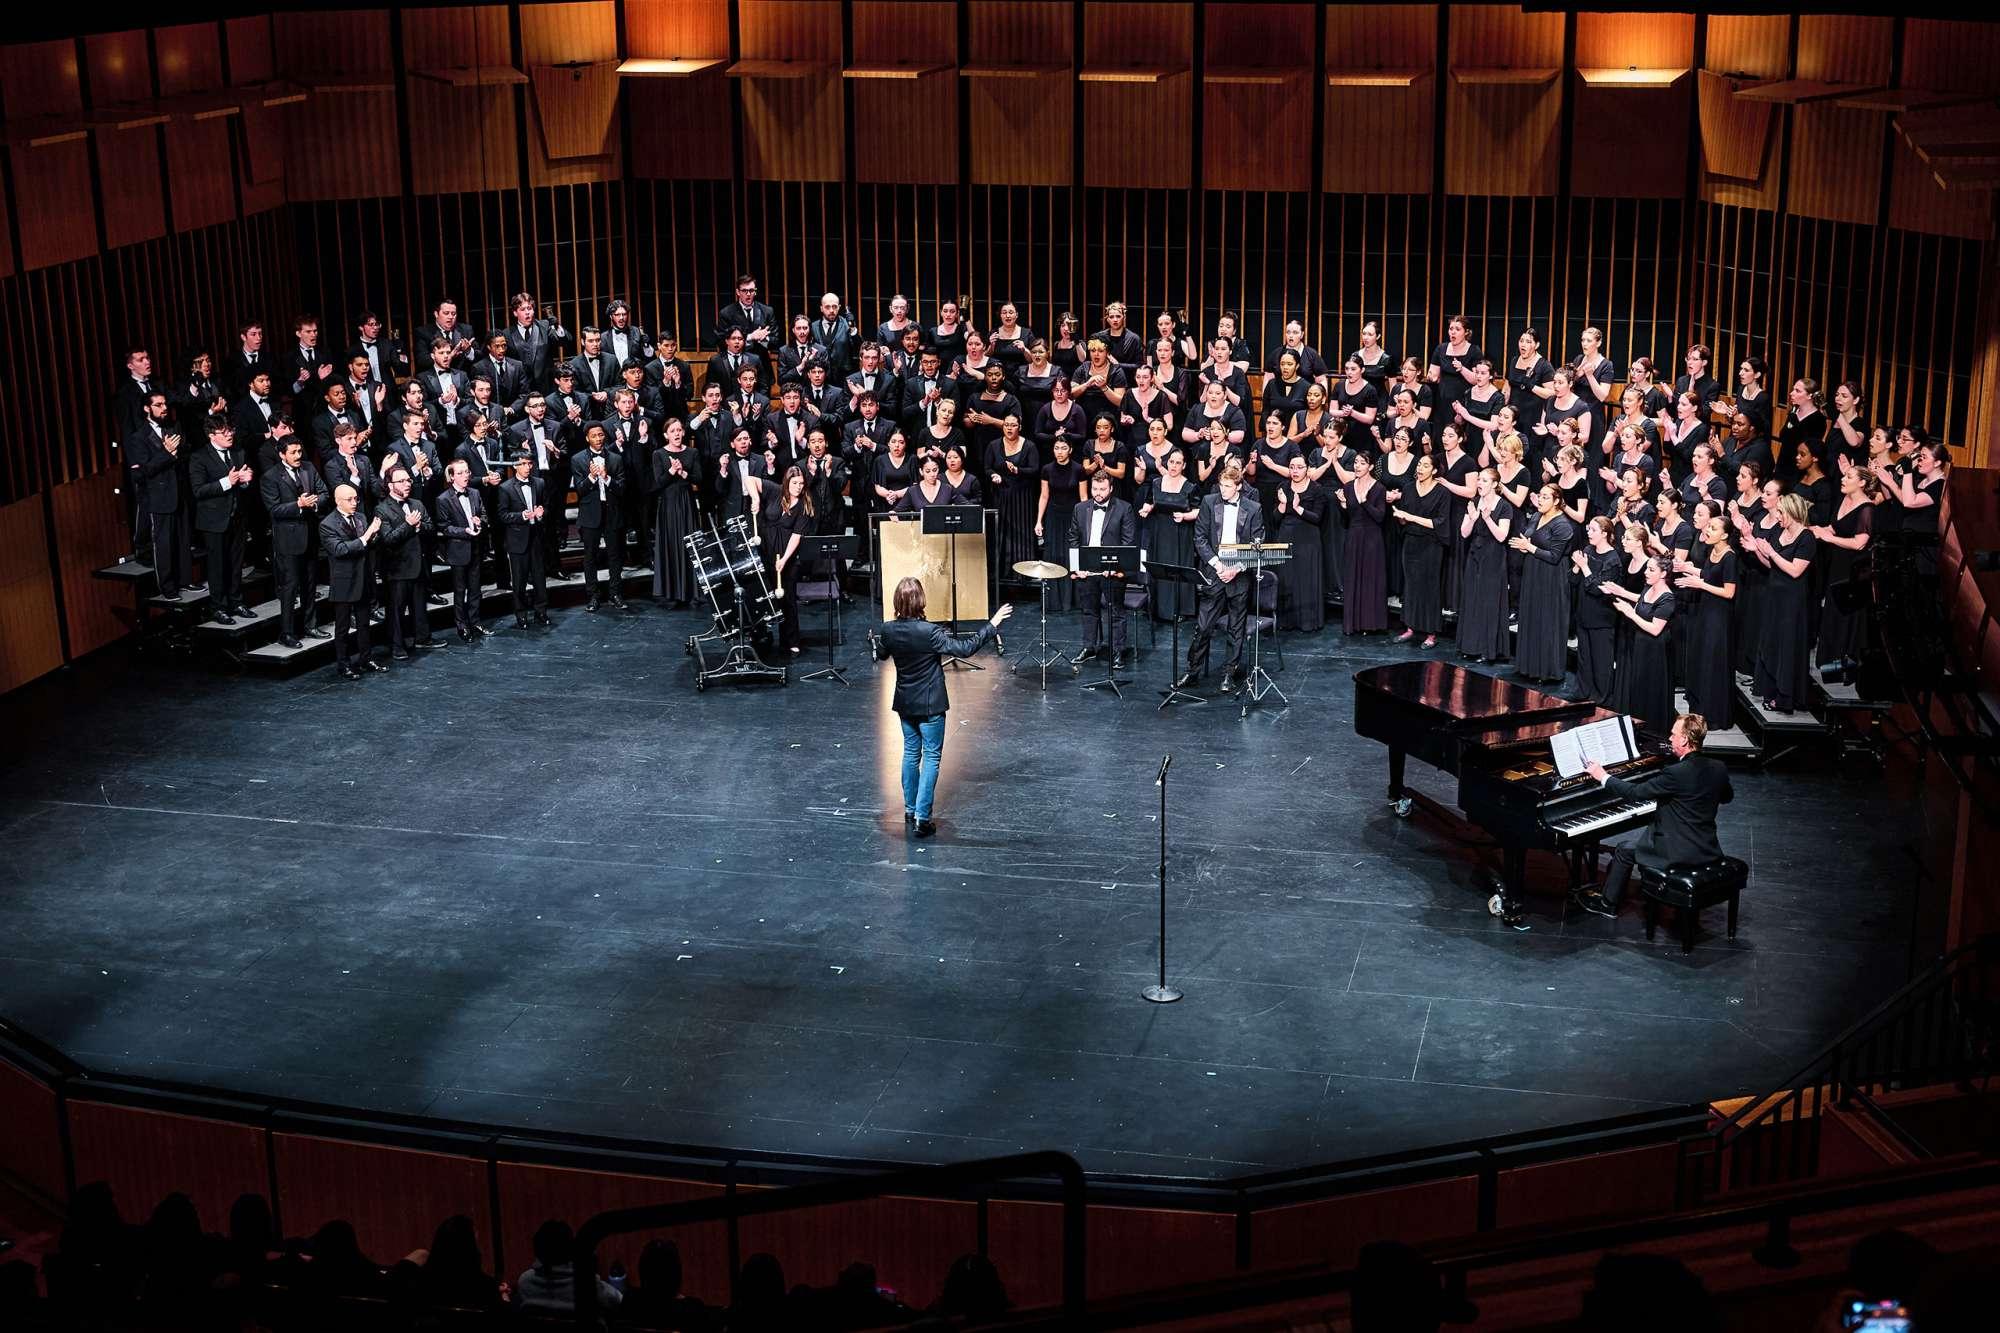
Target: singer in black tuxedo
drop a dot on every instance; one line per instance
(521, 520)
(153, 474)
(296, 499)
(401, 560)
(598, 474)
(220, 482)
(345, 536)
(1103, 520)
(541, 437)
(757, 322)
(461, 523)
(1229, 515)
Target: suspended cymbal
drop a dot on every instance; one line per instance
(1040, 569)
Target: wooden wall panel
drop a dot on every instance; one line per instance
(531, 1195)
(1258, 136)
(1332, 1231)
(6, 241)
(681, 128)
(911, 1242)
(328, 159)
(128, 160)
(1128, 1249)
(31, 1150)
(30, 639)
(146, 1155)
(395, 1197)
(198, 164)
(1500, 138)
(1021, 126)
(1951, 57)
(1127, 137)
(1631, 141)
(793, 127)
(58, 219)
(251, 49)
(895, 32)
(460, 138)
(1751, 47)
(1381, 140)
(584, 35)
(92, 532)
(1837, 151)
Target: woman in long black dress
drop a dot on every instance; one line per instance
(928, 491)
(1753, 400)
(1106, 453)
(1633, 550)
(1451, 368)
(1307, 421)
(1645, 687)
(1062, 484)
(1146, 405)
(1397, 473)
(1458, 472)
(1376, 364)
(1683, 433)
(1013, 488)
(790, 519)
(1517, 488)
(677, 478)
(1301, 512)
(1542, 652)
(1421, 516)
(1331, 465)
(1784, 647)
(1061, 416)
(1919, 496)
(1364, 581)
(1355, 400)
(1596, 566)
(1843, 635)
(1707, 585)
(964, 482)
(1482, 605)
(1009, 338)
(1285, 394)
(1271, 462)
(1035, 383)
(1528, 392)
(1696, 379)
(1570, 481)
(1702, 481)
(1594, 375)
(1805, 425)
(985, 410)
(893, 471)
(1168, 509)
(1753, 521)
(1847, 430)
(1151, 457)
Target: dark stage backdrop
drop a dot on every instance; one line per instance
(1767, 184)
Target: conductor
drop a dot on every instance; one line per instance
(919, 649)
(1687, 792)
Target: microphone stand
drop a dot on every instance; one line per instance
(1162, 993)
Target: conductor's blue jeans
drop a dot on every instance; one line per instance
(923, 737)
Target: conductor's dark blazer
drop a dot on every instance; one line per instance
(919, 649)
(346, 555)
(1687, 791)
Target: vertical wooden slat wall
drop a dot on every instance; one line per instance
(1486, 177)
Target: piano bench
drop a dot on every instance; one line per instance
(1688, 889)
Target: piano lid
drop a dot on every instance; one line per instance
(1457, 693)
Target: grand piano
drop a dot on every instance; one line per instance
(1493, 736)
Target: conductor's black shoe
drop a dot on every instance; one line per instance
(909, 819)
(926, 828)
(1188, 681)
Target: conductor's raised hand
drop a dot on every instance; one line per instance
(1000, 616)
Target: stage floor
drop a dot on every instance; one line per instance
(541, 882)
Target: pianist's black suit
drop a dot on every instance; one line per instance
(1687, 792)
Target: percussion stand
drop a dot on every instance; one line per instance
(1044, 656)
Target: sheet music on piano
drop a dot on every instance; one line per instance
(1605, 742)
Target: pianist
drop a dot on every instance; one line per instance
(1686, 791)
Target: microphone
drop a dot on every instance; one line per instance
(1166, 762)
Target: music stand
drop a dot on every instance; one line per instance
(1160, 571)
(829, 550)
(1255, 558)
(1100, 561)
(954, 521)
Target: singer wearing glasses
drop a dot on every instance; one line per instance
(919, 649)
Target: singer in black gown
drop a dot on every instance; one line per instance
(1706, 590)
(677, 478)
(1843, 635)
(1482, 594)
(1364, 579)
(1168, 508)
(1300, 512)
(1645, 686)
(1542, 651)
(1014, 488)
(1597, 567)
(1426, 504)
(1783, 649)
(1061, 492)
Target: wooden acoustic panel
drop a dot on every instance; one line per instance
(252, 49)
(1837, 151)
(1021, 104)
(199, 187)
(58, 220)
(1379, 138)
(1948, 57)
(913, 33)
(1750, 47)
(1631, 140)
(571, 53)
(1736, 135)
(395, 1197)
(461, 138)
(530, 1195)
(146, 1155)
(792, 126)
(128, 160)
(1129, 1248)
(1130, 130)
(911, 1242)
(1258, 135)
(30, 638)
(1331, 1232)
(1500, 136)
(92, 532)
(345, 56)
(31, 1150)
(681, 128)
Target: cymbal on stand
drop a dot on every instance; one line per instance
(1040, 569)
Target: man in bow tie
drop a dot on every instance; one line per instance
(1229, 516)
(755, 320)
(1102, 521)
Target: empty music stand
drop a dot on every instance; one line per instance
(1255, 558)
(955, 521)
(1101, 561)
(829, 550)
(1162, 572)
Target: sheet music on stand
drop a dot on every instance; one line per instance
(1605, 742)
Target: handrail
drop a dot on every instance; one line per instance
(1845, 1063)
(735, 1205)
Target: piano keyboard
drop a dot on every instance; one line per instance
(1602, 819)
